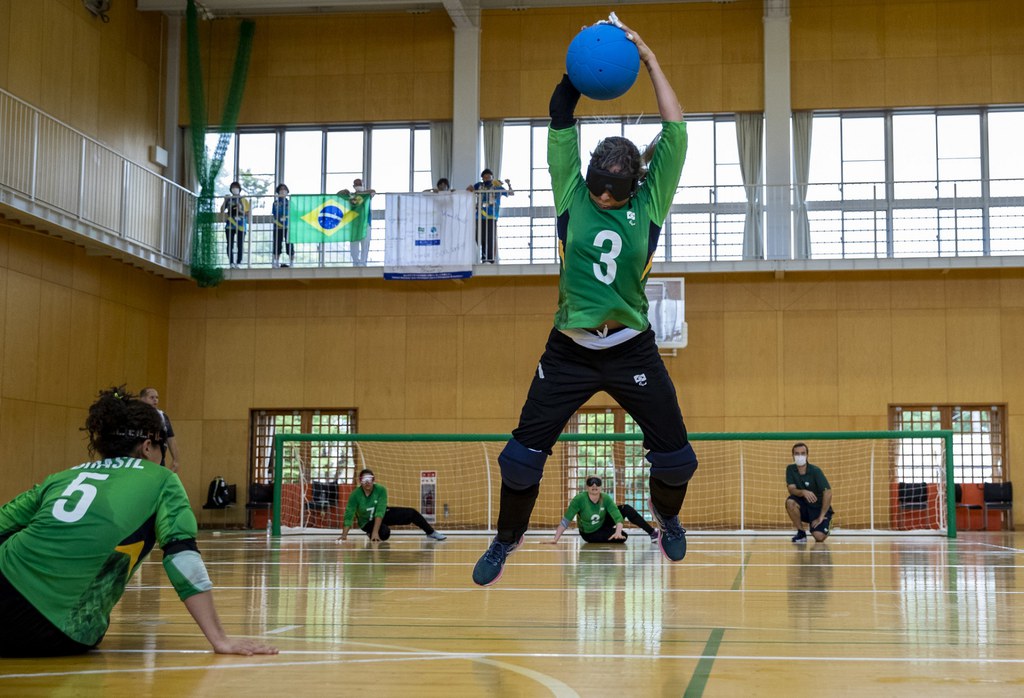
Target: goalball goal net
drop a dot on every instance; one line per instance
(884, 481)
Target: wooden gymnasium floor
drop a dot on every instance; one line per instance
(749, 616)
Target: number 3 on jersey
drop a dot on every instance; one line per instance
(88, 492)
(605, 270)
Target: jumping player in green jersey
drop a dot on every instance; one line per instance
(608, 226)
(69, 545)
(599, 518)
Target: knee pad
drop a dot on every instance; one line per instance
(521, 468)
(674, 469)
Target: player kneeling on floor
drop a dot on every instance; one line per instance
(368, 508)
(69, 546)
(598, 517)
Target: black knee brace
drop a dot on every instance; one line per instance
(674, 469)
(521, 467)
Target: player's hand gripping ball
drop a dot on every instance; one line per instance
(602, 62)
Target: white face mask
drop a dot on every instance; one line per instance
(357, 188)
(800, 459)
(236, 191)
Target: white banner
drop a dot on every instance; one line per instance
(430, 236)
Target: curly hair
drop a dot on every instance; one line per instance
(118, 422)
(619, 153)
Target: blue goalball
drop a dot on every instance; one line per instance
(601, 62)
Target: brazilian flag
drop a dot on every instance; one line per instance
(328, 218)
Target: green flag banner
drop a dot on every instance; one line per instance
(328, 218)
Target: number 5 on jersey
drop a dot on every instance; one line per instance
(78, 485)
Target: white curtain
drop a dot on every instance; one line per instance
(802, 121)
(189, 176)
(440, 151)
(749, 138)
(492, 147)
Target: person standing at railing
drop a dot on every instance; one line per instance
(489, 192)
(279, 211)
(237, 210)
(441, 187)
(359, 201)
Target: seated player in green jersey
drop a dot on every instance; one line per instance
(810, 497)
(598, 517)
(69, 545)
(608, 226)
(368, 508)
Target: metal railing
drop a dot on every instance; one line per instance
(51, 165)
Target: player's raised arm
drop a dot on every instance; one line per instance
(668, 103)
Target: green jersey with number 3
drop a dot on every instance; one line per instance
(606, 254)
(71, 544)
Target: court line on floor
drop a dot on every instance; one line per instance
(619, 589)
(422, 655)
(702, 672)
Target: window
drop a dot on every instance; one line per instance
(345, 159)
(303, 462)
(979, 442)
(257, 169)
(620, 464)
(303, 161)
(226, 173)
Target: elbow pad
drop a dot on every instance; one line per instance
(563, 104)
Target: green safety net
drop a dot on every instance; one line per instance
(204, 244)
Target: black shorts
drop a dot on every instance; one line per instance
(633, 373)
(604, 534)
(809, 512)
(27, 632)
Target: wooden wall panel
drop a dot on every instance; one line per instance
(864, 360)
(974, 354)
(810, 363)
(919, 356)
(922, 52)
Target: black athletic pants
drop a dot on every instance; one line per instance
(280, 235)
(27, 632)
(234, 237)
(567, 376)
(604, 534)
(399, 516)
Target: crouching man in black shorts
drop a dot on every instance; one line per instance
(810, 497)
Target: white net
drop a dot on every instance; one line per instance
(895, 483)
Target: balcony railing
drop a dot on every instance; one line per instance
(48, 166)
(54, 169)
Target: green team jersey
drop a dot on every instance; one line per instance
(812, 480)
(606, 255)
(590, 515)
(70, 544)
(364, 509)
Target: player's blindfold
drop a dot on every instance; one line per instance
(591, 481)
(620, 186)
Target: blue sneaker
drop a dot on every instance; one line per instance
(673, 536)
(490, 566)
(800, 537)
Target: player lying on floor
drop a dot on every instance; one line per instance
(368, 508)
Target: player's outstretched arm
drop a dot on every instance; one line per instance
(668, 103)
(558, 534)
(200, 606)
